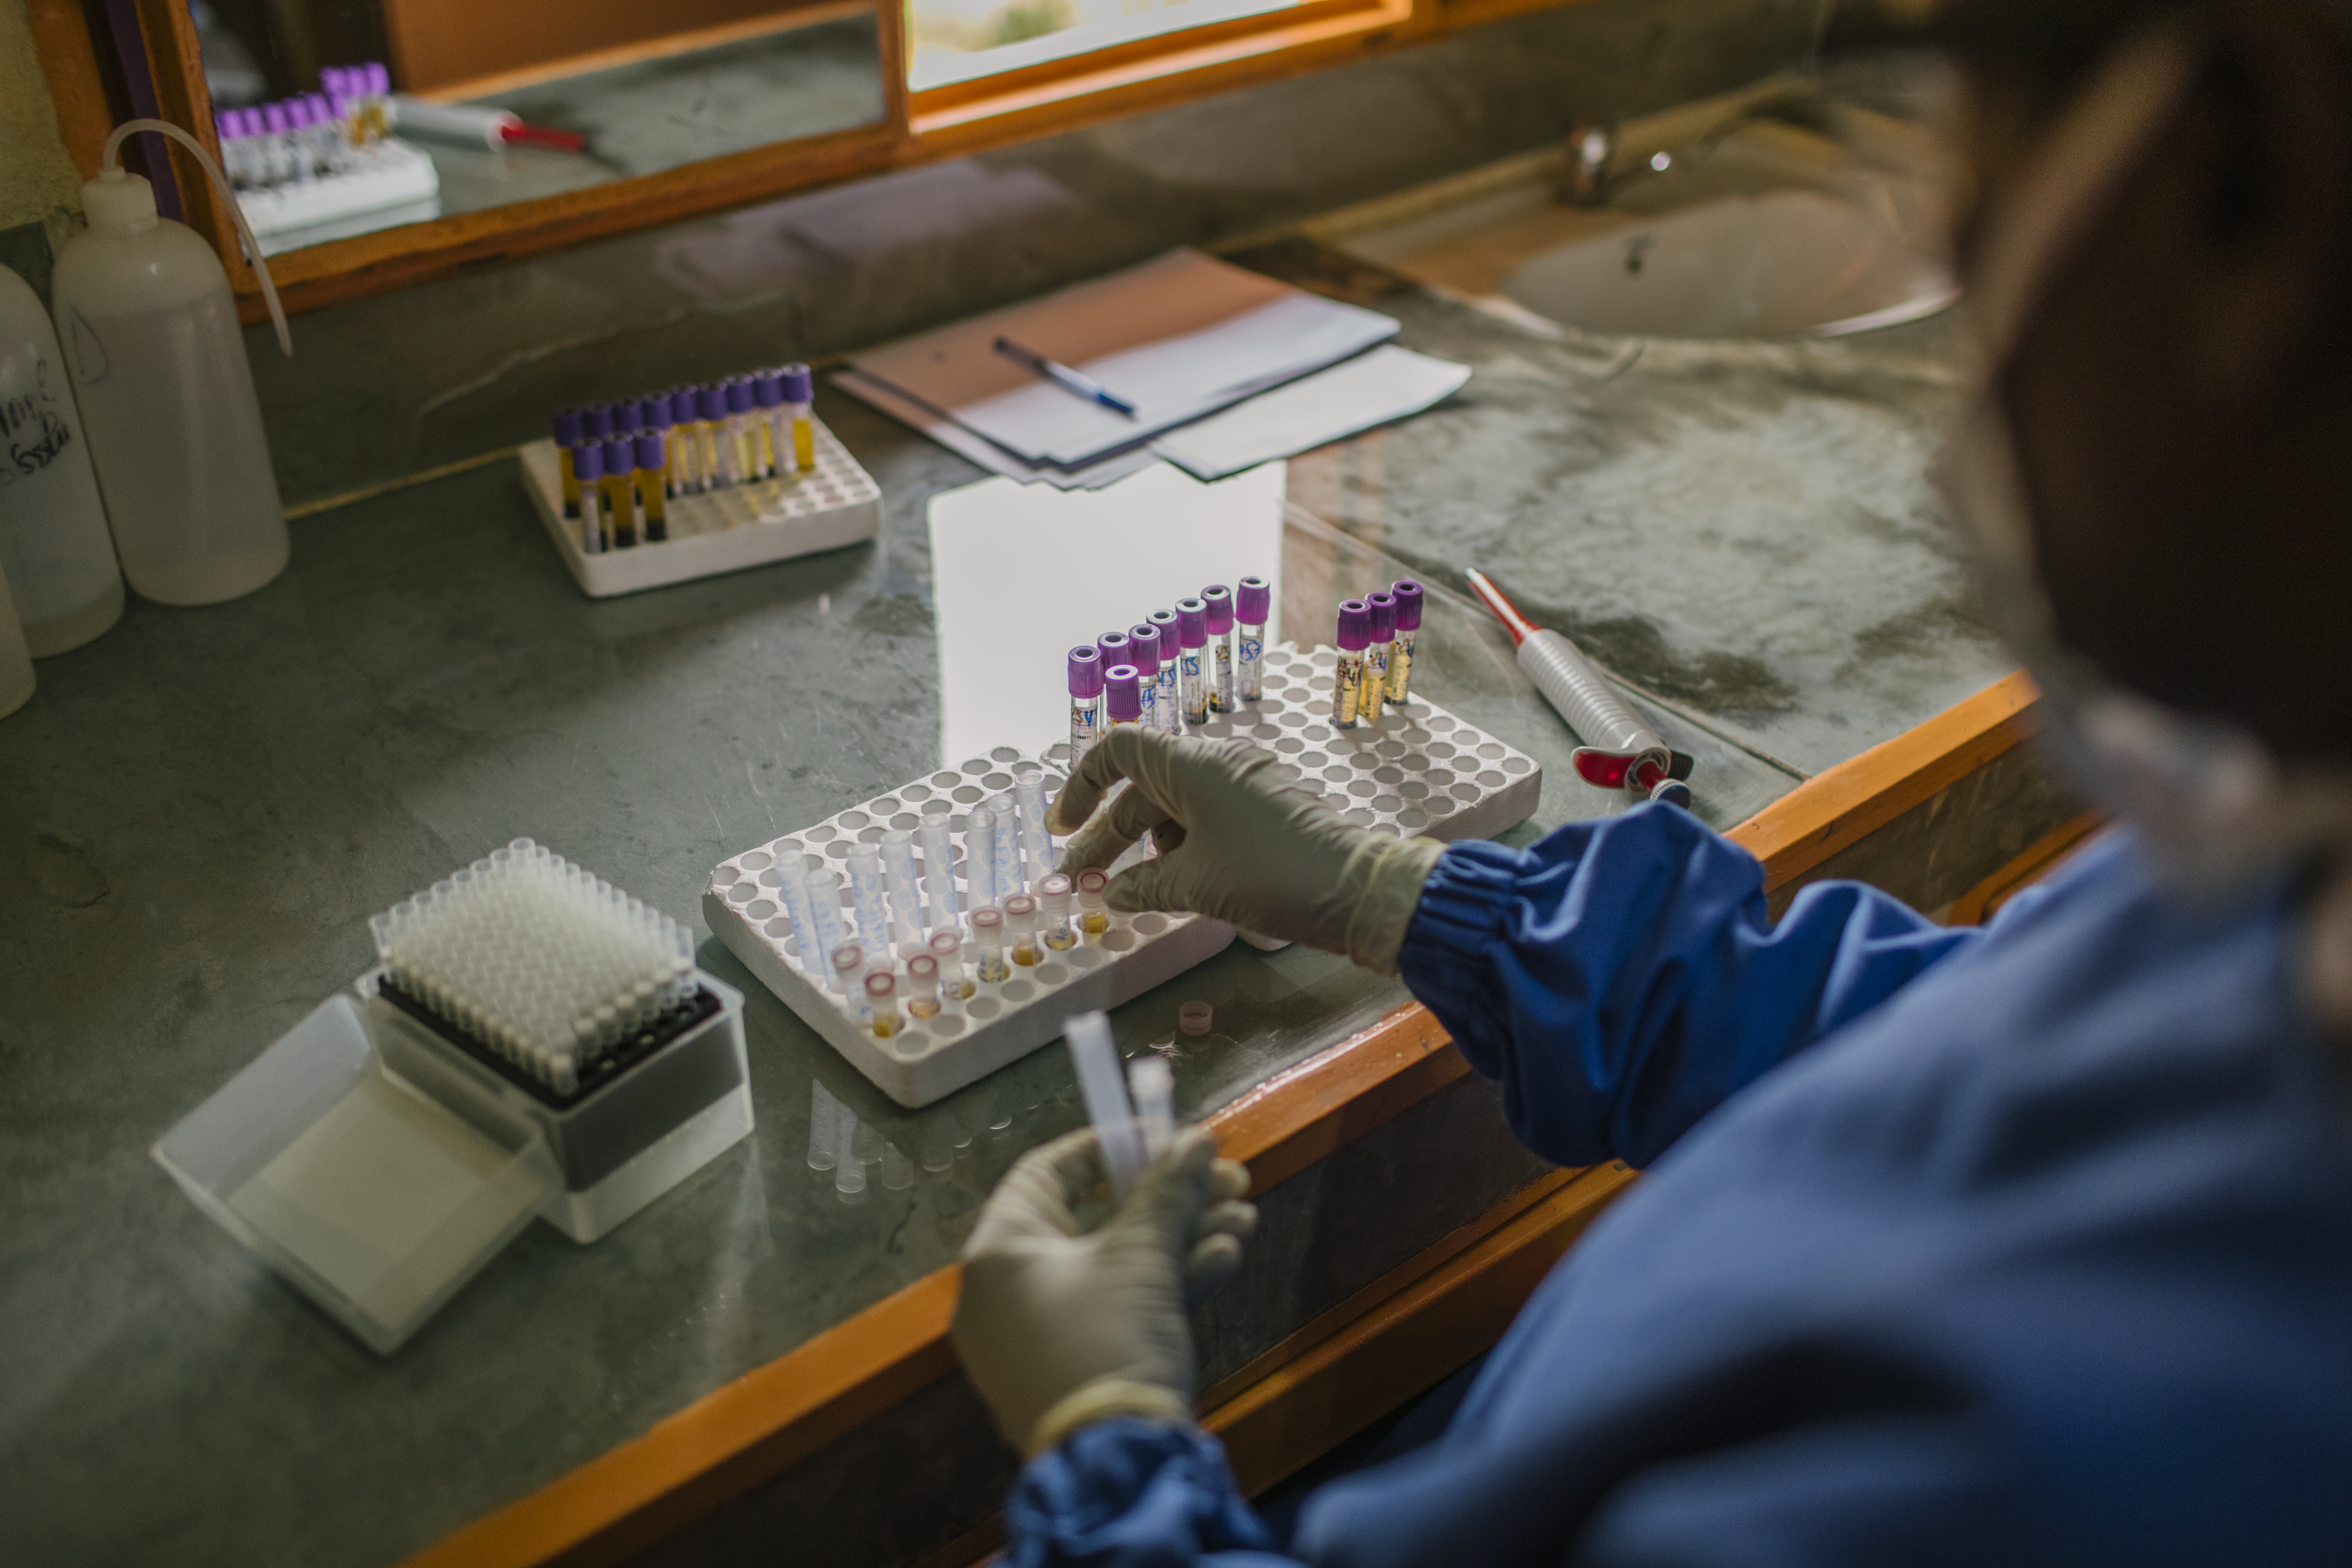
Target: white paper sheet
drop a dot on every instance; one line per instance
(987, 453)
(1179, 337)
(1371, 389)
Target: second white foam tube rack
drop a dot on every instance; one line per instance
(1419, 772)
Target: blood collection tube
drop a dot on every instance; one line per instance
(923, 987)
(1164, 702)
(1348, 672)
(906, 891)
(1085, 701)
(275, 144)
(939, 871)
(882, 1003)
(988, 935)
(1407, 629)
(1219, 601)
(1094, 915)
(1114, 648)
(653, 501)
(800, 395)
(865, 893)
(567, 436)
(596, 422)
(1020, 929)
(655, 414)
(848, 982)
(710, 436)
(684, 451)
(621, 491)
(743, 428)
(1036, 842)
(1004, 848)
(1252, 604)
(1122, 697)
(588, 462)
(628, 417)
(1192, 638)
(1376, 656)
(768, 421)
(979, 855)
(955, 978)
(1143, 652)
(1054, 910)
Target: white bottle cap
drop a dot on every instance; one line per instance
(117, 199)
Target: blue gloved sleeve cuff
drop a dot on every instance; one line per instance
(1462, 907)
(1127, 1491)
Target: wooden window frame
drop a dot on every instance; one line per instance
(950, 120)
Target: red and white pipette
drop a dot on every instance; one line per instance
(492, 128)
(1619, 752)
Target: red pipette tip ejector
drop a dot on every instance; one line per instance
(1505, 611)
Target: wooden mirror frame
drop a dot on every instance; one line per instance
(947, 121)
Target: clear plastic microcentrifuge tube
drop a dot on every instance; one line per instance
(1122, 697)
(1219, 601)
(980, 856)
(1143, 647)
(799, 398)
(824, 1124)
(1152, 1084)
(1408, 630)
(743, 429)
(769, 422)
(619, 493)
(567, 436)
(955, 978)
(848, 1170)
(588, 462)
(653, 501)
(1354, 631)
(1095, 1058)
(1004, 848)
(867, 895)
(1020, 928)
(1094, 915)
(882, 1003)
(939, 872)
(849, 979)
(1036, 842)
(906, 890)
(1053, 913)
(1382, 606)
(709, 432)
(828, 929)
(1252, 605)
(1085, 701)
(1193, 642)
(922, 986)
(792, 891)
(988, 935)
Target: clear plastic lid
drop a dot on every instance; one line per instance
(376, 1200)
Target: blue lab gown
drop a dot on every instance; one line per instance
(2027, 1246)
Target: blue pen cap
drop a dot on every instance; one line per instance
(738, 395)
(567, 428)
(768, 389)
(588, 461)
(597, 421)
(710, 402)
(650, 456)
(799, 385)
(656, 410)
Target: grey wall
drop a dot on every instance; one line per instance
(387, 387)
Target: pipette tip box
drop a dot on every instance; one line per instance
(1418, 772)
(832, 504)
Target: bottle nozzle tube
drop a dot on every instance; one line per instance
(1252, 601)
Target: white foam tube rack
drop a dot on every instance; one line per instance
(1419, 772)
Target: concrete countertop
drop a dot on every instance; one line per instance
(205, 806)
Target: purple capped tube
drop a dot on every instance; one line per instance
(709, 434)
(653, 490)
(567, 436)
(1192, 640)
(1172, 655)
(588, 463)
(1355, 631)
(1122, 699)
(1407, 629)
(597, 421)
(1151, 671)
(800, 393)
(1382, 606)
(1252, 604)
(775, 423)
(1085, 701)
(1113, 646)
(620, 491)
(738, 447)
(1218, 601)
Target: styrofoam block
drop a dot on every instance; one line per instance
(1419, 772)
(833, 504)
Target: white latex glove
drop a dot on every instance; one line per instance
(1238, 844)
(1058, 1327)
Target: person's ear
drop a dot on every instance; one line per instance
(2265, 202)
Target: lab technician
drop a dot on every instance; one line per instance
(2027, 1244)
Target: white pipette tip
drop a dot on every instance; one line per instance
(1104, 1088)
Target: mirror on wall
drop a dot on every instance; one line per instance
(960, 40)
(343, 117)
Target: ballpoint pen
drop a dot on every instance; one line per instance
(1062, 376)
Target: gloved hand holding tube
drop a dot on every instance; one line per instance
(1238, 844)
(1060, 1325)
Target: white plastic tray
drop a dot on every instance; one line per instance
(387, 174)
(1421, 772)
(833, 504)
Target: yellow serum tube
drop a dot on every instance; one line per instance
(882, 1003)
(710, 424)
(567, 436)
(988, 936)
(1408, 630)
(955, 975)
(590, 458)
(1355, 630)
(653, 505)
(922, 986)
(742, 431)
(800, 395)
(620, 494)
(769, 421)
(1094, 914)
(1055, 895)
(1021, 930)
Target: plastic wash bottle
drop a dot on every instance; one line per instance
(54, 545)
